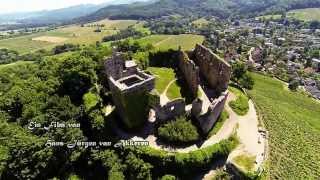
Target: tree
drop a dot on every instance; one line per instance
(138, 169)
(293, 85)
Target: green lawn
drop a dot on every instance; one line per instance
(163, 77)
(240, 105)
(308, 14)
(293, 122)
(164, 42)
(245, 161)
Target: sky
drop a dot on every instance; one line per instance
(9, 6)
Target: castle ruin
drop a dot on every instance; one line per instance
(205, 73)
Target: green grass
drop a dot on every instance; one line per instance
(15, 64)
(165, 42)
(245, 161)
(200, 22)
(269, 17)
(163, 78)
(74, 34)
(222, 119)
(240, 105)
(174, 91)
(293, 122)
(90, 100)
(308, 14)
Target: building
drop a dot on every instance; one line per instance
(130, 89)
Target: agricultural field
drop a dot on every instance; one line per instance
(165, 42)
(308, 14)
(269, 17)
(75, 34)
(164, 80)
(200, 22)
(292, 120)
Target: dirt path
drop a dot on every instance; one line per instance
(163, 97)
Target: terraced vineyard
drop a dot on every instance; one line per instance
(293, 122)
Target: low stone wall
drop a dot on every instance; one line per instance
(170, 110)
(216, 71)
(207, 120)
(190, 72)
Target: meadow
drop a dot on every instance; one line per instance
(165, 42)
(163, 78)
(75, 34)
(293, 123)
(308, 14)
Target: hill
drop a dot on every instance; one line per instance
(220, 8)
(308, 14)
(292, 120)
(58, 15)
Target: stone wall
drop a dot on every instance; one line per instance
(207, 120)
(171, 110)
(190, 72)
(216, 71)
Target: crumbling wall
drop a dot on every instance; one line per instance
(170, 110)
(190, 72)
(114, 66)
(216, 71)
(207, 120)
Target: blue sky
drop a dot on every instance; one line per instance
(8, 6)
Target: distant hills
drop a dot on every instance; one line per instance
(219, 8)
(58, 15)
(144, 9)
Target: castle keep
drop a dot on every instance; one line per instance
(130, 89)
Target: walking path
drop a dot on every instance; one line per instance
(163, 97)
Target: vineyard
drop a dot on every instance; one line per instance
(293, 122)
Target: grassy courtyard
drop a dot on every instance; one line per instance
(165, 79)
(292, 120)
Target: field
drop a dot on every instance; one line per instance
(200, 22)
(70, 34)
(164, 42)
(293, 122)
(308, 14)
(269, 17)
(164, 77)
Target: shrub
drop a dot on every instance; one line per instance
(168, 177)
(240, 105)
(179, 131)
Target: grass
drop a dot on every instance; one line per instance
(73, 34)
(15, 64)
(240, 105)
(308, 14)
(163, 78)
(90, 100)
(245, 161)
(292, 120)
(269, 17)
(165, 42)
(222, 119)
(200, 22)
